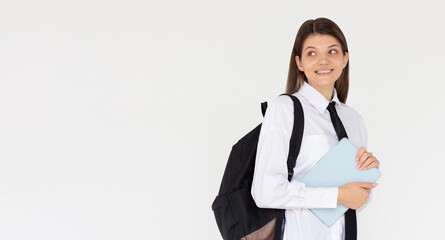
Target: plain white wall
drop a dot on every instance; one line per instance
(117, 117)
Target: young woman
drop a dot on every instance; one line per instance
(318, 76)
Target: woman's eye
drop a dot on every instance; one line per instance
(332, 51)
(310, 53)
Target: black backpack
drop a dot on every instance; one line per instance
(236, 213)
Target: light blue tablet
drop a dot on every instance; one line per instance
(337, 168)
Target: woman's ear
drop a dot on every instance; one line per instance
(345, 59)
(300, 67)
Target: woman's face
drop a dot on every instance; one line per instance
(322, 60)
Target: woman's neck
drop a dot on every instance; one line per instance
(326, 91)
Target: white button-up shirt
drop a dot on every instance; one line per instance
(271, 188)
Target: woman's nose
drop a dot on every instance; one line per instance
(323, 60)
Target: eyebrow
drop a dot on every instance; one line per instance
(333, 45)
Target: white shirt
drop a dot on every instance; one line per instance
(271, 188)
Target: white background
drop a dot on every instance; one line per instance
(117, 117)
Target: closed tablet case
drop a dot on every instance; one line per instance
(337, 168)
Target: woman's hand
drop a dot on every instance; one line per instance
(354, 195)
(366, 160)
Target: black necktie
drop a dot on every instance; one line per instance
(350, 216)
(338, 126)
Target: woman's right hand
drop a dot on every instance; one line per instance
(354, 195)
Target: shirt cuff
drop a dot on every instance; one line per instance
(322, 197)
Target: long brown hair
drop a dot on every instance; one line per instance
(322, 26)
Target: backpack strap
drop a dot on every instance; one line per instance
(263, 108)
(297, 136)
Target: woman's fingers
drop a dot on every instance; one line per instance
(363, 158)
(373, 163)
(366, 159)
(367, 185)
(360, 153)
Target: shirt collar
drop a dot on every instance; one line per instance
(317, 99)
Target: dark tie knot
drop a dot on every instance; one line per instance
(338, 125)
(331, 107)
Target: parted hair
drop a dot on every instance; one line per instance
(321, 26)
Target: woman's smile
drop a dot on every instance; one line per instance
(324, 72)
